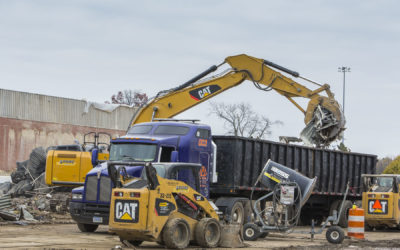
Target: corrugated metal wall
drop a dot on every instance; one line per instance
(31, 120)
(36, 107)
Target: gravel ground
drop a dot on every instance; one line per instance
(67, 236)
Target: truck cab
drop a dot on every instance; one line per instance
(168, 141)
(381, 200)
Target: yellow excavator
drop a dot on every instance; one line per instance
(323, 116)
(67, 165)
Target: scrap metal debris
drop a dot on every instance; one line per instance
(29, 174)
(27, 199)
(325, 127)
(36, 209)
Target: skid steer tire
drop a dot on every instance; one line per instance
(208, 233)
(251, 232)
(335, 235)
(176, 233)
(87, 228)
(237, 213)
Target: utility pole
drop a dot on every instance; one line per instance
(343, 70)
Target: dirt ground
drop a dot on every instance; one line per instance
(68, 236)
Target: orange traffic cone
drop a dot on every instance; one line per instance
(356, 223)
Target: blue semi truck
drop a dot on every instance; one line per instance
(188, 142)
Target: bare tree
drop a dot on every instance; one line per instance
(129, 97)
(241, 120)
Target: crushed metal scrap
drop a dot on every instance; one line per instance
(38, 209)
(27, 199)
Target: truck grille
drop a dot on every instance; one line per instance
(105, 188)
(91, 188)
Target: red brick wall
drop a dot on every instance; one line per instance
(19, 137)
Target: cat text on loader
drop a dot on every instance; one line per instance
(381, 200)
(159, 207)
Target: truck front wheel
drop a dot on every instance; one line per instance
(87, 228)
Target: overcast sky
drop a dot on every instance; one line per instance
(93, 49)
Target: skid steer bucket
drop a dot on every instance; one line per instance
(232, 236)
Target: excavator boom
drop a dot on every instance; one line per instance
(323, 116)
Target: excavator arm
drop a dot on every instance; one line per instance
(323, 115)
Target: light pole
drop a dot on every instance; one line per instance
(344, 69)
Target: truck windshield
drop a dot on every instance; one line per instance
(133, 152)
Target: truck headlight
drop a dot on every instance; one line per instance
(77, 196)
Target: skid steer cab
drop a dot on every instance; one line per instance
(381, 200)
(159, 207)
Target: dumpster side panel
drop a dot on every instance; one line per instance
(240, 161)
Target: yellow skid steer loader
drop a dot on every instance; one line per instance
(158, 207)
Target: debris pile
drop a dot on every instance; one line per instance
(40, 209)
(27, 199)
(29, 175)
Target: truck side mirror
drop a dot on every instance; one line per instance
(95, 157)
(174, 156)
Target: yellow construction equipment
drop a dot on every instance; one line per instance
(67, 165)
(158, 207)
(323, 115)
(380, 200)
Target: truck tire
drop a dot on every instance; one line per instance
(344, 216)
(87, 228)
(334, 206)
(335, 235)
(237, 213)
(176, 233)
(251, 232)
(248, 212)
(208, 233)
